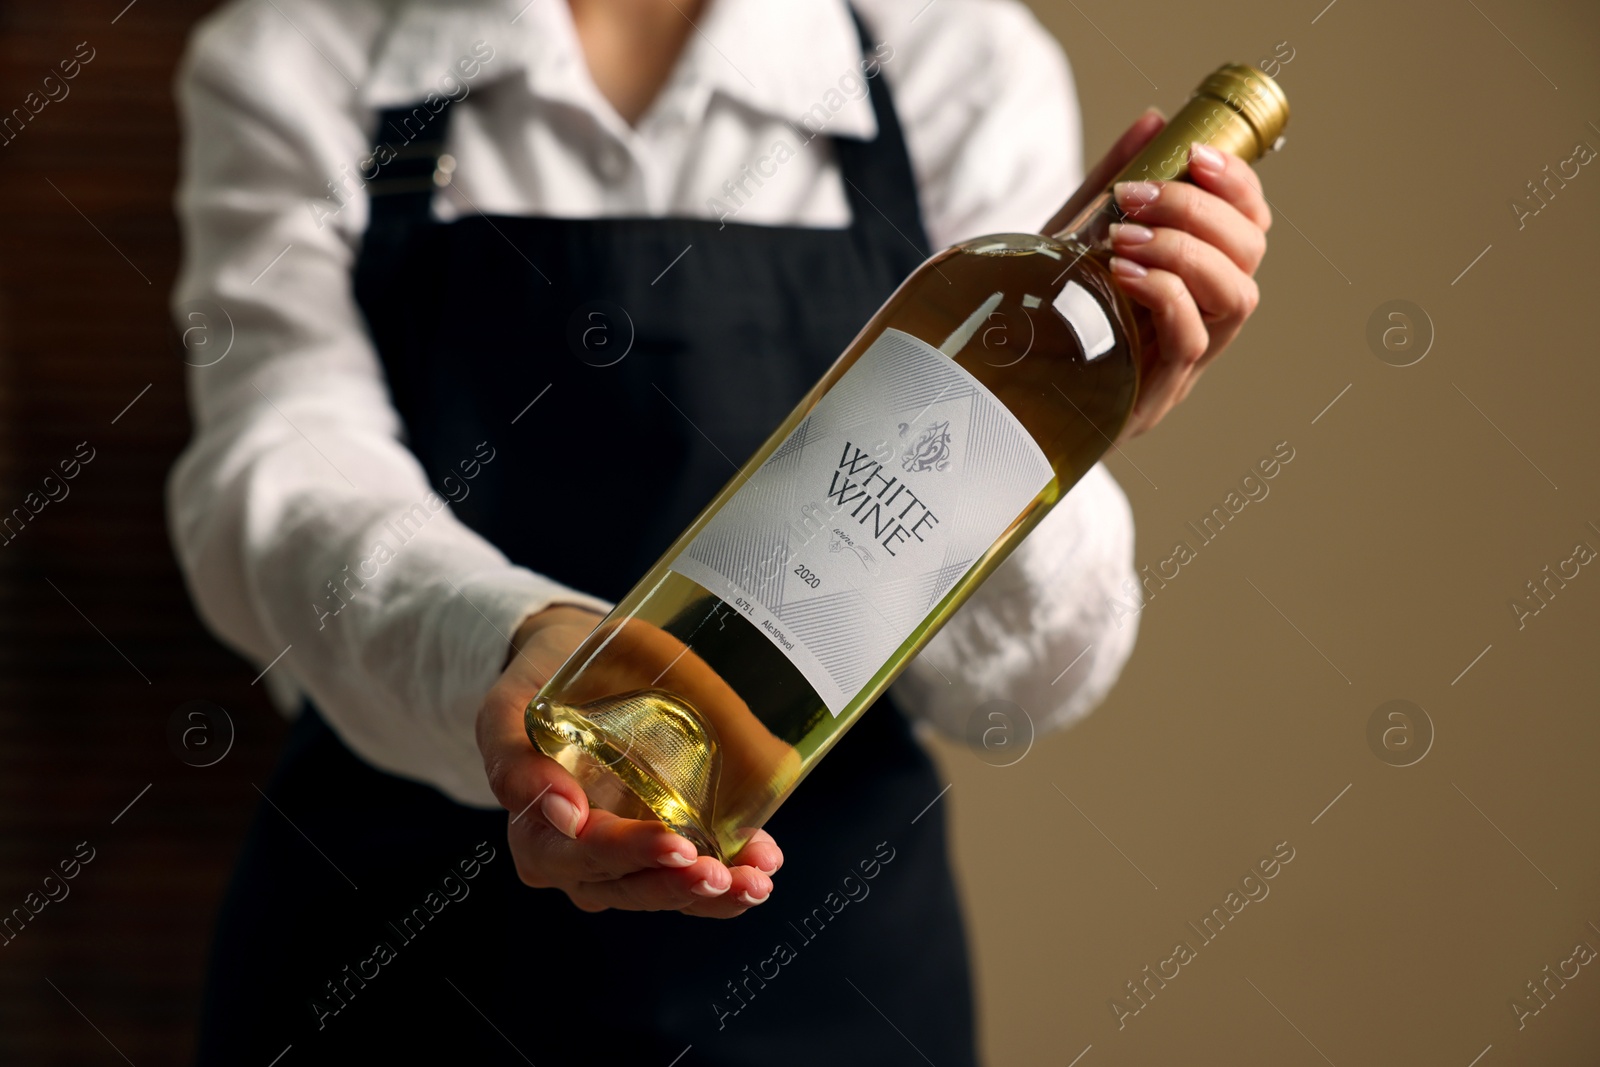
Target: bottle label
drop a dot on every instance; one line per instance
(902, 476)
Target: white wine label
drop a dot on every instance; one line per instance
(851, 533)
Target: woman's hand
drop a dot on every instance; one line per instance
(1187, 254)
(598, 859)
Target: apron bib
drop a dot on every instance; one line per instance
(656, 354)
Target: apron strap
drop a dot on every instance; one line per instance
(878, 179)
(416, 137)
(400, 195)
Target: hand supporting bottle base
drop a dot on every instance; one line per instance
(645, 754)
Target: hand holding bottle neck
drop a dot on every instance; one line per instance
(1237, 110)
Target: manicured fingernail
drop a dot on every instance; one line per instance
(1127, 268)
(676, 859)
(1130, 233)
(560, 813)
(706, 889)
(747, 898)
(1205, 157)
(1134, 195)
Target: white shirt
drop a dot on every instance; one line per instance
(297, 462)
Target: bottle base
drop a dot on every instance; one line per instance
(642, 755)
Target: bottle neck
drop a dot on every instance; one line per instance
(1090, 229)
(1211, 117)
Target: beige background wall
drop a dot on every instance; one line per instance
(1381, 565)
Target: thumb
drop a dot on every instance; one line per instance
(1135, 137)
(526, 782)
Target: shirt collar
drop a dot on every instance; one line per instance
(783, 58)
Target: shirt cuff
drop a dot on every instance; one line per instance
(476, 622)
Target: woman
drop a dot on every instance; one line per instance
(509, 288)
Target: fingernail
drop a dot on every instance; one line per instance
(746, 898)
(560, 813)
(1130, 233)
(706, 889)
(1134, 195)
(767, 870)
(1127, 268)
(1205, 157)
(676, 859)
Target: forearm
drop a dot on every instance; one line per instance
(389, 614)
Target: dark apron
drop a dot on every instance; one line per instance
(724, 328)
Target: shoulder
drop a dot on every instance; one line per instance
(973, 43)
(966, 68)
(986, 99)
(286, 45)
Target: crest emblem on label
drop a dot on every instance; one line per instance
(931, 451)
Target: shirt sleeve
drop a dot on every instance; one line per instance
(309, 536)
(991, 118)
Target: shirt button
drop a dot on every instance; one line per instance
(443, 170)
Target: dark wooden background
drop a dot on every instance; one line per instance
(88, 251)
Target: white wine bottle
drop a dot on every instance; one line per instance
(900, 481)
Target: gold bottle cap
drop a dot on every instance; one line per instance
(1253, 95)
(1237, 109)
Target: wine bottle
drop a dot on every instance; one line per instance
(992, 380)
